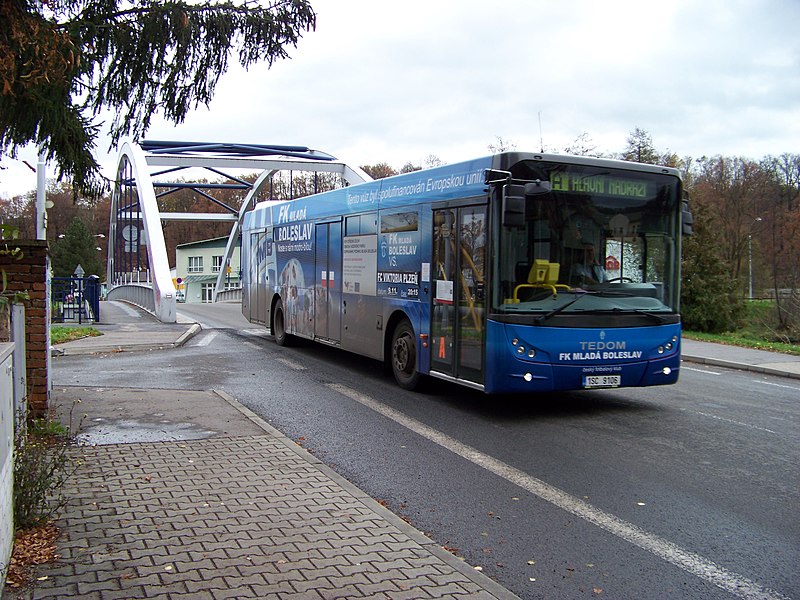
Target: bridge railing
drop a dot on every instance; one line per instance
(230, 295)
(145, 297)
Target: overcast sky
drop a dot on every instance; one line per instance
(394, 82)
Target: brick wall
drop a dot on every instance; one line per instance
(30, 274)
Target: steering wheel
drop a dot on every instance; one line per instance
(620, 280)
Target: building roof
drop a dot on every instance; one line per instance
(213, 243)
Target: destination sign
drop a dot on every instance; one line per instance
(600, 184)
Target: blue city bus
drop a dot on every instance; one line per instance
(511, 273)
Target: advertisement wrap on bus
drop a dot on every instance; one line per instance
(510, 273)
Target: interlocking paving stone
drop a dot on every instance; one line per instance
(236, 517)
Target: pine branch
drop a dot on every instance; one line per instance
(56, 76)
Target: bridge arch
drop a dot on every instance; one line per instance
(138, 266)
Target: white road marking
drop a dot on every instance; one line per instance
(256, 332)
(731, 421)
(786, 387)
(206, 339)
(683, 368)
(688, 561)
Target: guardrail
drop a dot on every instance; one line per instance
(231, 295)
(139, 294)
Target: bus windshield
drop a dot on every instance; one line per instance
(602, 240)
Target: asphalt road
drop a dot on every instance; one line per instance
(687, 491)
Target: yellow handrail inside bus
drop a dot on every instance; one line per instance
(543, 275)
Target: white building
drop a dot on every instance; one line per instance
(197, 266)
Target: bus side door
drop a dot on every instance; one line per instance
(458, 311)
(328, 285)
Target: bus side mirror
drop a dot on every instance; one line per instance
(514, 206)
(686, 218)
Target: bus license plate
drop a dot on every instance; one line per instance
(599, 381)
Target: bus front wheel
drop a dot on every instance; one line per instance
(281, 337)
(404, 356)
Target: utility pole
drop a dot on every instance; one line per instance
(41, 207)
(750, 255)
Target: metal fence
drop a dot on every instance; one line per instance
(75, 299)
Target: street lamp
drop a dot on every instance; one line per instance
(750, 254)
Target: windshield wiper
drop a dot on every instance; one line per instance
(639, 311)
(555, 311)
(614, 294)
(659, 319)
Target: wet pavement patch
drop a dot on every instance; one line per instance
(101, 431)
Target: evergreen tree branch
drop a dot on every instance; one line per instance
(63, 62)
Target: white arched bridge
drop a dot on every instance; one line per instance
(138, 268)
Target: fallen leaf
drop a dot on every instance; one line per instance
(34, 546)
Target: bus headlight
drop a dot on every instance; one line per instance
(520, 349)
(528, 377)
(666, 370)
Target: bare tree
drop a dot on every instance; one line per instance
(501, 145)
(583, 145)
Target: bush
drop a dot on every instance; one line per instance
(42, 464)
(710, 298)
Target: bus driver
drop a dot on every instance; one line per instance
(589, 271)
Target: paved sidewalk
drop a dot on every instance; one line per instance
(190, 495)
(127, 328)
(745, 359)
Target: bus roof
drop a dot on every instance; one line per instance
(446, 182)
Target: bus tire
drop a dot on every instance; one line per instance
(403, 356)
(279, 326)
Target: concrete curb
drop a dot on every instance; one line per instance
(417, 536)
(187, 335)
(727, 364)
